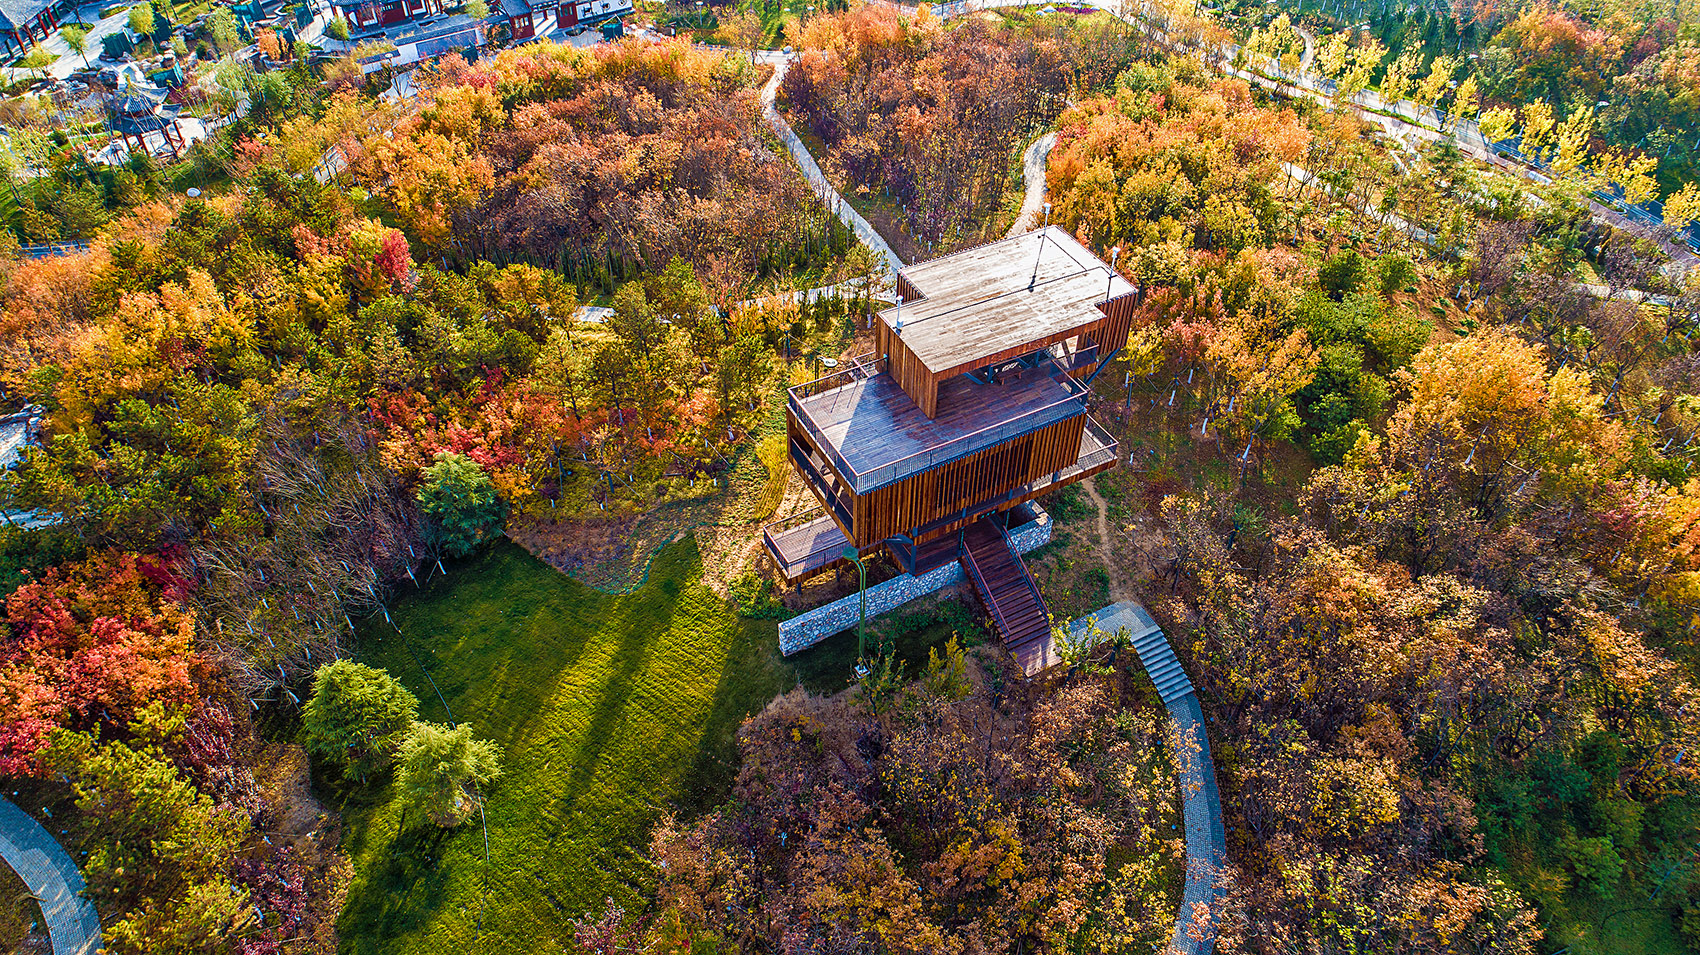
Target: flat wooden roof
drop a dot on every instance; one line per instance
(985, 301)
(874, 427)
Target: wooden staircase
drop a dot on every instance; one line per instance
(1008, 591)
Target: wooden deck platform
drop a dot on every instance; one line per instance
(875, 434)
(984, 301)
(802, 548)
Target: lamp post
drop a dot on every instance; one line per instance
(850, 554)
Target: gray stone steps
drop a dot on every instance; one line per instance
(1201, 802)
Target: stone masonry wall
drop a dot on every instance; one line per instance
(808, 629)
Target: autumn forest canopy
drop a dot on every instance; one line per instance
(1406, 446)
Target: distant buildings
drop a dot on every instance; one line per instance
(370, 16)
(570, 15)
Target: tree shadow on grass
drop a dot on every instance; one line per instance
(647, 617)
(405, 889)
(751, 675)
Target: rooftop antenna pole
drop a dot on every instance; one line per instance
(1041, 256)
(896, 323)
(1110, 283)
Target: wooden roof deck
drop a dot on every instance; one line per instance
(875, 434)
(987, 301)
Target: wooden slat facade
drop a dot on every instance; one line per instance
(1108, 333)
(929, 499)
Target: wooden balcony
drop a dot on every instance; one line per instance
(805, 543)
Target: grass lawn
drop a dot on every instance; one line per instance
(18, 911)
(609, 709)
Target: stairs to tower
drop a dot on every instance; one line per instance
(1008, 590)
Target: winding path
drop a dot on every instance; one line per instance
(1201, 801)
(1033, 172)
(72, 924)
(811, 169)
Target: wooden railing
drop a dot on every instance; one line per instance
(1020, 565)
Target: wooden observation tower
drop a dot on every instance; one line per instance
(974, 403)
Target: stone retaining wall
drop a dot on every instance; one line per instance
(807, 629)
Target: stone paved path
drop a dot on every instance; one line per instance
(72, 924)
(1201, 802)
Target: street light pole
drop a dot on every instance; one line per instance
(850, 554)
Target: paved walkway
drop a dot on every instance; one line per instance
(70, 62)
(1201, 802)
(811, 169)
(51, 876)
(1033, 171)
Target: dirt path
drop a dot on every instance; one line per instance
(1119, 589)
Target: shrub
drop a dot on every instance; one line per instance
(460, 497)
(1394, 272)
(1342, 274)
(357, 716)
(442, 768)
(1596, 862)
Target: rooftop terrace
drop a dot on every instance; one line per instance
(876, 435)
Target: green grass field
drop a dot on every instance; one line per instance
(610, 710)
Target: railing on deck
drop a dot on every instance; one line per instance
(856, 369)
(808, 516)
(1106, 452)
(960, 446)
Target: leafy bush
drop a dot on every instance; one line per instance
(463, 501)
(1596, 863)
(772, 454)
(1393, 272)
(1342, 274)
(442, 768)
(357, 716)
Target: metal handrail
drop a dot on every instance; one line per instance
(807, 516)
(1104, 437)
(860, 367)
(985, 587)
(956, 447)
(1021, 565)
